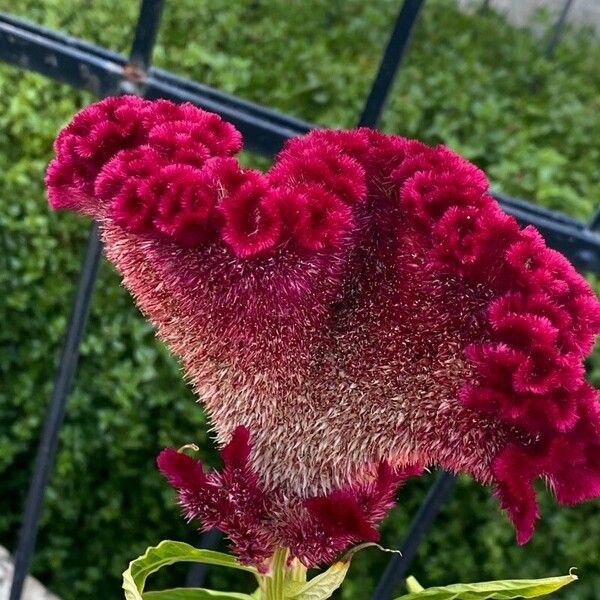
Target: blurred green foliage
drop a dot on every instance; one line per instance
(467, 82)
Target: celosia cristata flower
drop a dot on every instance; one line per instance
(361, 310)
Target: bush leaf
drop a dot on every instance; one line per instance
(167, 553)
(493, 590)
(320, 587)
(194, 594)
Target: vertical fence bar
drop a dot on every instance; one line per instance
(48, 444)
(421, 523)
(371, 114)
(141, 52)
(594, 226)
(146, 32)
(558, 30)
(145, 36)
(197, 574)
(553, 40)
(390, 62)
(595, 222)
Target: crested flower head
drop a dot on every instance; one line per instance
(360, 311)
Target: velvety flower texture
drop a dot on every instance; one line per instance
(314, 529)
(361, 310)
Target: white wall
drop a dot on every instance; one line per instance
(582, 11)
(34, 590)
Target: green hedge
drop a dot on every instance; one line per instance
(467, 82)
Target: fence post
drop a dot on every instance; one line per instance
(48, 445)
(440, 490)
(420, 525)
(392, 57)
(595, 222)
(144, 40)
(558, 30)
(146, 32)
(197, 574)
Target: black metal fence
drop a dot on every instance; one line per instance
(103, 72)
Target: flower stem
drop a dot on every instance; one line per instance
(297, 571)
(275, 583)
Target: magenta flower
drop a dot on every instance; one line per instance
(360, 311)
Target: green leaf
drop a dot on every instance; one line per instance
(194, 594)
(320, 587)
(493, 590)
(167, 553)
(412, 585)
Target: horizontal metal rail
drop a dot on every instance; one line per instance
(574, 238)
(102, 72)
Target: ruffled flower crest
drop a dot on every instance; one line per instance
(363, 307)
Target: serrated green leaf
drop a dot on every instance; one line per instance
(167, 553)
(412, 585)
(194, 594)
(320, 587)
(508, 589)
